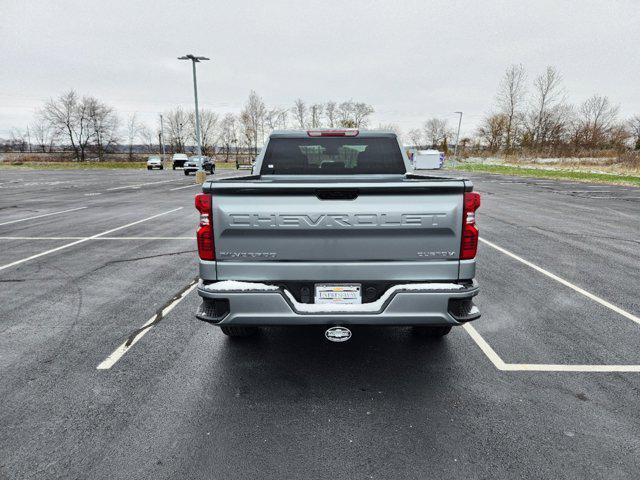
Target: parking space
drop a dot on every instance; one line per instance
(181, 400)
(537, 320)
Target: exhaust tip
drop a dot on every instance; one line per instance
(337, 334)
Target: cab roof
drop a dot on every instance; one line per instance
(332, 132)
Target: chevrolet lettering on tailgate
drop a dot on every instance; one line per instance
(336, 220)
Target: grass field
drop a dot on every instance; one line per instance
(548, 173)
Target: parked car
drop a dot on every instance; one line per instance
(179, 159)
(333, 229)
(194, 163)
(154, 162)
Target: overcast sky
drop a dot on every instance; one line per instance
(410, 59)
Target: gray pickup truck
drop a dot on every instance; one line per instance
(332, 229)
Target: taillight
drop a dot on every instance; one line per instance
(469, 244)
(333, 133)
(206, 248)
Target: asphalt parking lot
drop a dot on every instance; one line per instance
(94, 384)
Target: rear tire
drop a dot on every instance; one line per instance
(173, 166)
(161, 168)
(148, 168)
(237, 331)
(431, 332)
(186, 172)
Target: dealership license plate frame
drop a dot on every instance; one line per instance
(338, 293)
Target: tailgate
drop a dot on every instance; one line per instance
(348, 231)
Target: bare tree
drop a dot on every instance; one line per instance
(436, 131)
(133, 129)
(18, 140)
(228, 133)
(510, 98)
(391, 127)
(178, 129)
(354, 114)
(104, 123)
(68, 115)
(276, 118)
(331, 112)
(299, 111)
(208, 130)
(60, 115)
(316, 115)
(493, 130)
(147, 137)
(618, 136)
(416, 137)
(634, 129)
(252, 119)
(548, 95)
(597, 116)
(361, 114)
(43, 135)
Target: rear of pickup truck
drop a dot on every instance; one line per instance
(334, 231)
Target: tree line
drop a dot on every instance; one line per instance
(87, 126)
(526, 117)
(537, 118)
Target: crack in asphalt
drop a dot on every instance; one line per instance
(159, 315)
(125, 260)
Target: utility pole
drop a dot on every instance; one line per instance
(194, 59)
(455, 150)
(162, 136)
(29, 138)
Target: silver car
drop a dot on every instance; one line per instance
(154, 162)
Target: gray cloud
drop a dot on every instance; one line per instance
(411, 60)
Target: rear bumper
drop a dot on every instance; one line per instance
(401, 306)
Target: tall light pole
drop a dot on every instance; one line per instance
(162, 136)
(194, 59)
(455, 150)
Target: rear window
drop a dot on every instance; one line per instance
(332, 156)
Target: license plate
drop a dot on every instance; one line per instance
(338, 293)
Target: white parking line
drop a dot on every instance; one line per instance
(142, 331)
(41, 216)
(82, 240)
(566, 283)
(485, 347)
(99, 238)
(186, 186)
(543, 367)
(137, 185)
(613, 198)
(540, 367)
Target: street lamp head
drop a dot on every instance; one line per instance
(192, 57)
(458, 112)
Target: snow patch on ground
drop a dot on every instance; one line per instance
(233, 285)
(369, 307)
